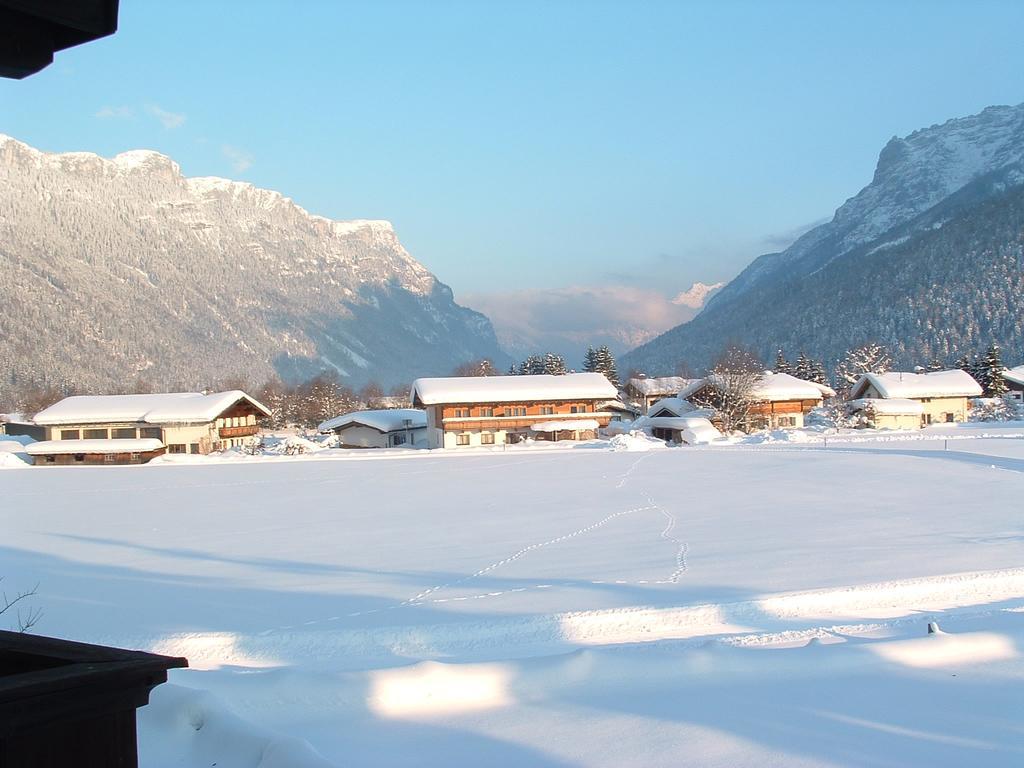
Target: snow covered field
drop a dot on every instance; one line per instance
(748, 604)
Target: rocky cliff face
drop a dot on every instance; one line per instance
(123, 268)
(928, 189)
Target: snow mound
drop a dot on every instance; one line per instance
(9, 460)
(185, 726)
(779, 436)
(700, 432)
(635, 441)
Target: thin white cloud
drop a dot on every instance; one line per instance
(240, 159)
(115, 113)
(168, 120)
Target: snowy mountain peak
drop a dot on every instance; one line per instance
(696, 295)
(913, 174)
(924, 259)
(230, 278)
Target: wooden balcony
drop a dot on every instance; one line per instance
(246, 431)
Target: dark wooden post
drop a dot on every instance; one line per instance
(71, 704)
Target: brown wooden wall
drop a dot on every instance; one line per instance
(94, 459)
(533, 408)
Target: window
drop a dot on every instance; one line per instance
(79, 457)
(176, 448)
(109, 458)
(95, 434)
(51, 459)
(950, 418)
(787, 421)
(462, 439)
(125, 433)
(486, 411)
(487, 438)
(69, 434)
(546, 410)
(151, 432)
(193, 448)
(398, 440)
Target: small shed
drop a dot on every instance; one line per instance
(72, 704)
(100, 451)
(387, 428)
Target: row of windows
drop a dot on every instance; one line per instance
(108, 458)
(180, 448)
(236, 421)
(515, 410)
(118, 433)
(486, 438)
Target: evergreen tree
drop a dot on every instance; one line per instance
(803, 368)
(818, 373)
(935, 365)
(991, 370)
(782, 364)
(554, 364)
(604, 362)
(590, 360)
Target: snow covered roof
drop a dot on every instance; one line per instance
(773, 387)
(674, 405)
(900, 384)
(390, 420)
(616, 405)
(93, 446)
(1015, 375)
(782, 386)
(165, 408)
(664, 385)
(568, 424)
(676, 422)
(512, 389)
(895, 406)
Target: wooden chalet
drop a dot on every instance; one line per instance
(132, 429)
(495, 410)
(780, 401)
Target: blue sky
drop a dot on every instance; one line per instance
(532, 146)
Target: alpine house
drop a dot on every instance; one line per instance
(494, 410)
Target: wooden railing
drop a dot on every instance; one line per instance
(248, 429)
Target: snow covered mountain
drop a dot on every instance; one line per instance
(115, 269)
(881, 268)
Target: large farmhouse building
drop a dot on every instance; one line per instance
(388, 428)
(494, 410)
(778, 400)
(132, 429)
(901, 400)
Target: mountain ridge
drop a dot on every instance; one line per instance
(976, 157)
(234, 280)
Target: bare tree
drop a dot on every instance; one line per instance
(26, 617)
(731, 387)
